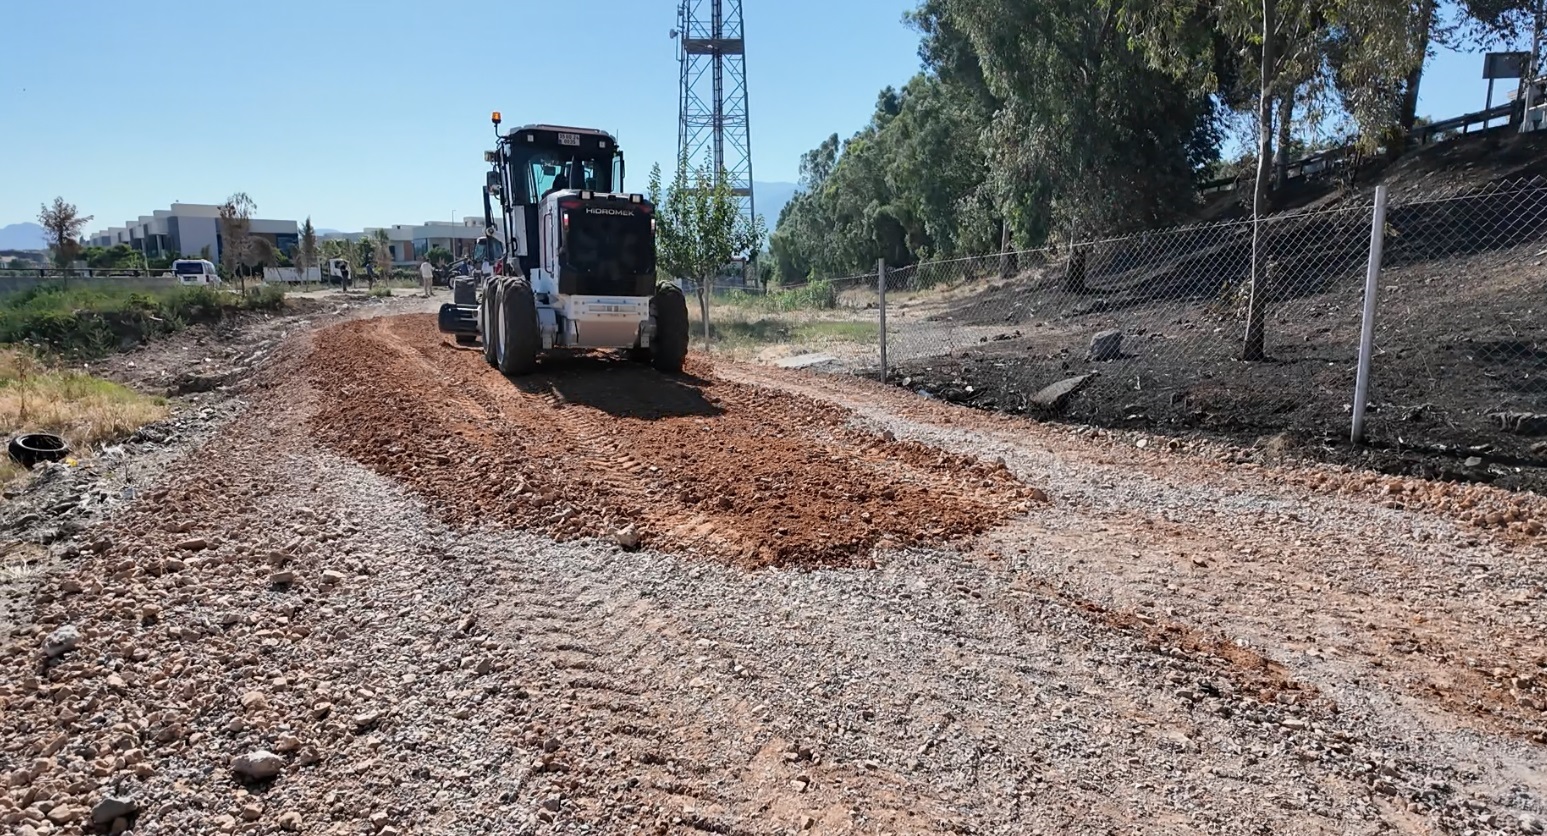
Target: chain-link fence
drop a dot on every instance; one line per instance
(1460, 359)
(1149, 330)
(1145, 330)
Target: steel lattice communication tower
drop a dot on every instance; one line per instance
(713, 128)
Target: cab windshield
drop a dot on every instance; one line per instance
(488, 249)
(551, 170)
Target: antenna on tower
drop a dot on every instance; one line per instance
(714, 128)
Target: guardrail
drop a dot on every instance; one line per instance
(1334, 160)
(1427, 133)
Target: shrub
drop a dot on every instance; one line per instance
(266, 298)
(816, 295)
(91, 322)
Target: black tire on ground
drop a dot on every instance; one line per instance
(669, 348)
(29, 449)
(518, 328)
(489, 322)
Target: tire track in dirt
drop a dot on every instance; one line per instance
(610, 657)
(590, 445)
(578, 408)
(602, 466)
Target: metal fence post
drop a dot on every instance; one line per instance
(881, 291)
(1367, 328)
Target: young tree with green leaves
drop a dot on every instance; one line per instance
(116, 257)
(700, 227)
(439, 256)
(62, 225)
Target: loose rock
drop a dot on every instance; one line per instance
(111, 808)
(259, 766)
(61, 641)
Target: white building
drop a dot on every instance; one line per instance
(457, 238)
(410, 242)
(187, 229)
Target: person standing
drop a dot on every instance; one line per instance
(427, 276)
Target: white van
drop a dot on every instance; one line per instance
(338, 272)
(195, 271)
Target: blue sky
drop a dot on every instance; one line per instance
(373, 114)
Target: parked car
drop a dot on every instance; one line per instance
(191, 271)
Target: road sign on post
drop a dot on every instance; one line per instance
(1497, 65)
(1505, 64)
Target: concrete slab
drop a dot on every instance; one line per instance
(804, 361)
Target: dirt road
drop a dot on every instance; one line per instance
(411, 588)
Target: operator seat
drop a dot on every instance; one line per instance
(560, 183)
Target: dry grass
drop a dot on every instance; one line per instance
(19, 562)
(87, 411)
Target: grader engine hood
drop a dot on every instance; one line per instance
(607, 247)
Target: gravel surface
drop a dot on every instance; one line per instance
(277, 638)
(214, 358)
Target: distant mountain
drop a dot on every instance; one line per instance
(771, 198)
(24, 236)
(324, 231)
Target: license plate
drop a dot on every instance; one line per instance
(569, 139)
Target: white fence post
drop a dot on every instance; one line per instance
(1367, 329)
(881, 291)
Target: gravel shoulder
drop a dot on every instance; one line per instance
(45, 519)
(1166, 639)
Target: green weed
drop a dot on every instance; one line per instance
(92, 322)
